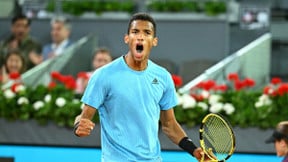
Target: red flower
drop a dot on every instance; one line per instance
(199, 85)
(55, 75)
(14, 87)
(68, 81)
(208, 85)
(233, 77)
(52, 85)
(248, 82)
(238, 85)
(282, 89)
(83, 75)
(267, 90)
(71, 84)
(177, 80)
(14, 75)
(222, 87)
(197, 97)
(66, 78)
(275, 81)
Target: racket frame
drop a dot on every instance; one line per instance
(202, 143)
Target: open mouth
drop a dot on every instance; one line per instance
(139, 48)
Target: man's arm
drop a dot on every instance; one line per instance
(171, 127)
(83, 124)
(177, 135)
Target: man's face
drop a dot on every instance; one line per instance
(20, 29)
(140, 39)
(59, 32)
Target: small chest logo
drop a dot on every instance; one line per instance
(155, 81)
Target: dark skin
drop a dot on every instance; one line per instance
(141, 33)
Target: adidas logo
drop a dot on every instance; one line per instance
(155, 81)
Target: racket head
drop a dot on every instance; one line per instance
(217, 138)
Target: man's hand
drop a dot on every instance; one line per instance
(201, 156)
(83, 127)
(14, 44)
(35, 58)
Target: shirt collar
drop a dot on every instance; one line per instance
(61, 45)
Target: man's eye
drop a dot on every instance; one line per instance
(148, 32)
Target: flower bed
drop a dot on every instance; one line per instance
(56, 102)
(235, 99)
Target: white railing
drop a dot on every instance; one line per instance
(251, 61)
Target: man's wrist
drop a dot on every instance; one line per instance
(75, 128)
(187, 145)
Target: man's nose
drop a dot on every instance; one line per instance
(140, 36)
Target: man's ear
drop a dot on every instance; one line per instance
(126, 38)
(155, 41)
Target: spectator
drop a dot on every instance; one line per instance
(280, 140)
(60, 33)
(14, 63)
(20, 39)
(102, 56)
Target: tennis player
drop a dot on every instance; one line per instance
(131, 94)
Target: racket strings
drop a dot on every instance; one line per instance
(217, 138)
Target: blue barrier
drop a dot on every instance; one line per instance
(72, 154)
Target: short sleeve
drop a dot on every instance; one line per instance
(95, 91)
(169, 98)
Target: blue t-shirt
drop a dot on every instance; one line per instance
(129, 104)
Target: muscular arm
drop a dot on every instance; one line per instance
(83, 121)
(171, 127)
(175, 132)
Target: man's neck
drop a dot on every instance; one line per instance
(56, 44)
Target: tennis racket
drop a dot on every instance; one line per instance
(217, 138)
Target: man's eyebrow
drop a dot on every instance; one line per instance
(148, 30)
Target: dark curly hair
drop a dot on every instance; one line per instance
(144, 17)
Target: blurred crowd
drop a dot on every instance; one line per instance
(20, 51)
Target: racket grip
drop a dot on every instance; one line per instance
(187, 145)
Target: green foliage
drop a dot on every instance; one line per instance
(211, 8)
(241, 105)
(246, 114)
(77, 8)
(43, 104)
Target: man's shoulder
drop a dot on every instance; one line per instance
(69, 42)
(111, 67)
(6, 40)
(157, 67)
(47, 46)
(32, 41)
(117, 60)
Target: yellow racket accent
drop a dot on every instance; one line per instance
(217, 138)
